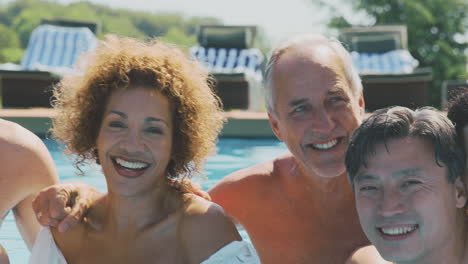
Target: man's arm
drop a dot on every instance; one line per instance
(32, 169)
(64, 205)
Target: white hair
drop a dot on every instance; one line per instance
(350, 72)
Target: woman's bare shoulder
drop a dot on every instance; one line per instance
(205, 228)
(71, 241)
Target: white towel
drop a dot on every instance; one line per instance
(45, 251)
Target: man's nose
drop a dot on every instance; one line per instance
(322, 121)
(391, 203)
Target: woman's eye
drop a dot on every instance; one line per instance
(154, 130)
(116, 124)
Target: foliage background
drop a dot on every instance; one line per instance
(437, 29)
(437, 32)
(19, 18)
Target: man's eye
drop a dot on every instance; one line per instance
(299, 109)
(410, 183)
(367, 188)
(337, 99)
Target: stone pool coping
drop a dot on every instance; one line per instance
(241, 124)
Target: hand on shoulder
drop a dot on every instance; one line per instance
(64, 205)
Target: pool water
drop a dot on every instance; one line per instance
(232, 154)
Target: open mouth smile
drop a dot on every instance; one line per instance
(131, 165)
(129, 168)
(327, 145)
(397, 232)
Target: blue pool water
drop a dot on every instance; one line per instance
(232, 155)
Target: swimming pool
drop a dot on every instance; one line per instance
(233, 154)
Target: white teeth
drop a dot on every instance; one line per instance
(327, 145)
(130, 165)
(394, 231)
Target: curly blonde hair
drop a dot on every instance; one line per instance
(123, 63)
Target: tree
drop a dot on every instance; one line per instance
(9, 41)
(175, 35)
(19, 18)
(436, 29)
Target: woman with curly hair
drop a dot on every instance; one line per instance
(145, 113)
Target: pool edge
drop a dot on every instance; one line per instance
(241, 124)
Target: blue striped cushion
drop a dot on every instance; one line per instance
(221, 60)
(55, 46)
(392, 62)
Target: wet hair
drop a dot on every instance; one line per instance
(351, 74)
(400, 122)
(458, 114)
(124, 63)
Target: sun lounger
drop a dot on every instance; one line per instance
(390, 75)
(227, 53)
(52, 51)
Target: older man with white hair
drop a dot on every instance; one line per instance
(299, 208)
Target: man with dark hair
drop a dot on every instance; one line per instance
(405, 169)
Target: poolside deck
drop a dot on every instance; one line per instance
(239, 123)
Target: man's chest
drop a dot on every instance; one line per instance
(297, 233)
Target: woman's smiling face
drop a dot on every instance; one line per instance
(135, 140)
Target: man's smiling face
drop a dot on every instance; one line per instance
(406, 206)
(315, 109)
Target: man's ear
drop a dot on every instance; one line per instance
(460, 193)
(362, 104)
(274, 125)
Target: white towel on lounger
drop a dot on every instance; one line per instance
(45, 251)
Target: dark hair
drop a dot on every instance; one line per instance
(458, 113)
(400, 122)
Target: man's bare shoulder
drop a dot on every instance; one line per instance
(244, 190)
(260, 173)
